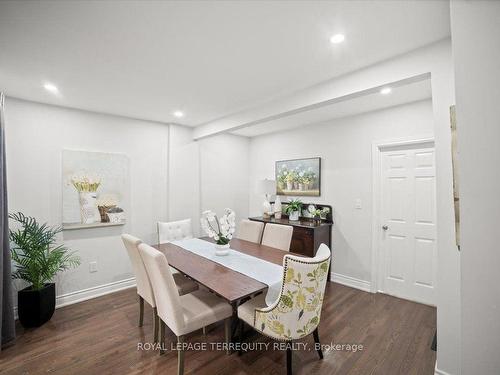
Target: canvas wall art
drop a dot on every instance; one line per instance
(95, 188)
(298, 177)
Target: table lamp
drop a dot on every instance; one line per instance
(268, 188)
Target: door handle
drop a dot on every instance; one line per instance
(385, 227)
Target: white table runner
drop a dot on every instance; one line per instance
(261, 270)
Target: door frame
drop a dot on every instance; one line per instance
(377, 148)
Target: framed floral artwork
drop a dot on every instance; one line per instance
(95, 189)
(298, 177)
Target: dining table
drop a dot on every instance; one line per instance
(231, 285)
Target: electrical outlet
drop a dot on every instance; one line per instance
(93, 267)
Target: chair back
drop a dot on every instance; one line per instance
(278, 236)
(250, 230)
(141, 277)
(168, 303)
(174, 230)
(297, 312)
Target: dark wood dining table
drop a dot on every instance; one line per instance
(231, 285)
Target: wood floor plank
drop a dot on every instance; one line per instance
(101, 336)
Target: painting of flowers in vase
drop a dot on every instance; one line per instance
(95, 189)
(298, 177)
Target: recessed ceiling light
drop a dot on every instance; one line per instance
(179, 114)
(337, 38)
(51, 87)
(385, 90)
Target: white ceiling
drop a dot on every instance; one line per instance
(365, 102)
(209, 59)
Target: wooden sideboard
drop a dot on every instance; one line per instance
(307, 235)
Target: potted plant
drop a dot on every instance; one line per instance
(221, 230)
(289, 179)
(318, 214)
(282, 178)
(301, 181)
(38, 260)
(293, 209)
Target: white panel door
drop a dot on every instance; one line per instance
(408, 258)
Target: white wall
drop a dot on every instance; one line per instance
(166, 169)
(210, 174)
(476, 38)
(436, 60)
(36, 134)
(345, 148)
(184, 177)
(224, 164)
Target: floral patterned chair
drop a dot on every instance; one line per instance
(297, 312)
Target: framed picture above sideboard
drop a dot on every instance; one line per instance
(298, 177)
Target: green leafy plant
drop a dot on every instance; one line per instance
(35, 253)
(293, 205)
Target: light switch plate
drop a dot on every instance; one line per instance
(93, 267)
(357, 204)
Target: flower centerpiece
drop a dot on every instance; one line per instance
(220, 229)
(87, 190)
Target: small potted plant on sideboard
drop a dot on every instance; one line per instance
(293, 209)
(38, 259)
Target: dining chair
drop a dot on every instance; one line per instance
(174, 230)
(182, 314)
(249, 230)
(277, 236)
(143, 284)
(296, 313)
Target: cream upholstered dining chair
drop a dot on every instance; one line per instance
(250, 230)
(297, 311)
(144, 288)
(182, 314)
(278, 236)
(174, 230)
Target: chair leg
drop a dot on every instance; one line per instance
(240, 336)
(180, 356)
(289, 359)
(162, 337)
(227, 333)
(317, 343)
(156, 321)
(141, 311)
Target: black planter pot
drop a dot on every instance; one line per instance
(36, 307)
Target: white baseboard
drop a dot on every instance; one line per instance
(440, 372)
(89, 293)
(351, 281)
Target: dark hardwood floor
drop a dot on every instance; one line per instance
(101, 336)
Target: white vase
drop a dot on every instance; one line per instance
(277, 207)
(294, 216)
(88, 207)
(266, 208)
(221, 250)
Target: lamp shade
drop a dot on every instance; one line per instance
(266, 187)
